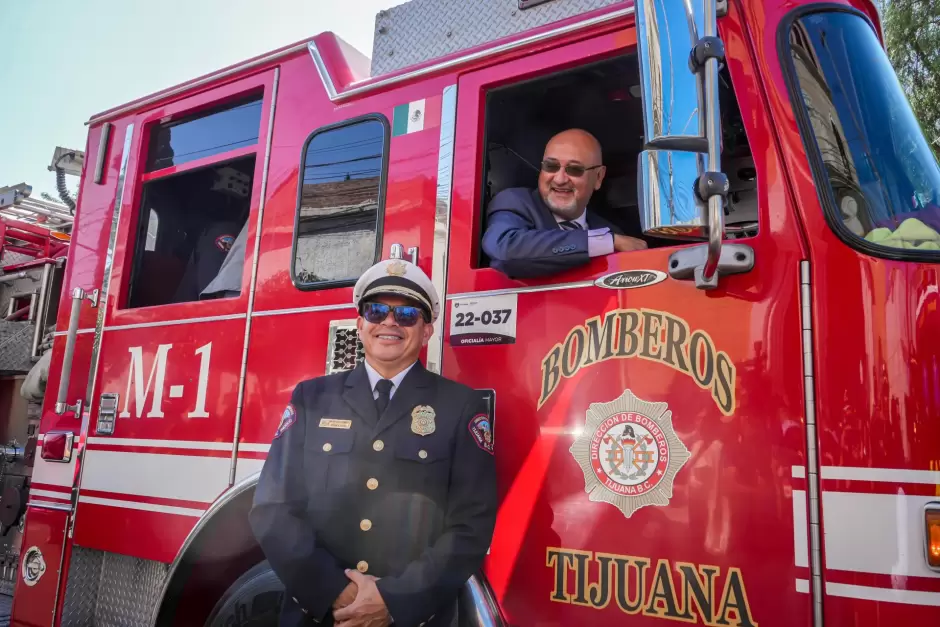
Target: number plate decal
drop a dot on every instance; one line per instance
(485, 320)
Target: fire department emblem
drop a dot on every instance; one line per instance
(422, 420)
(629, 453)
(396, 268)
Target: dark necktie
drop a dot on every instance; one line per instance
(384, 388)
(570, 225)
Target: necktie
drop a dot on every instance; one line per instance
(570, 225)
(384, 388)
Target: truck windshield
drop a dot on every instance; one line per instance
(872, 154)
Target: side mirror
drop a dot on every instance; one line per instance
(668, 204)
(672, 95)
(681, 188)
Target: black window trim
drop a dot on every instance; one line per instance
(811, 147)
(380, 209)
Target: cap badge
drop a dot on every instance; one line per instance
(422, 420)
(396, 268)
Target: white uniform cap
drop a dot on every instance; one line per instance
(399, 278)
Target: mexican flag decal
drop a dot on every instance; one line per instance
(419, 115)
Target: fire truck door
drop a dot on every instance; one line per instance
(648, 434)
(164, 402)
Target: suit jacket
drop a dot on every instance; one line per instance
(345, 488)
(522, 237)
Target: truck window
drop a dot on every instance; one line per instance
(602, 98)
(877, 177)
(340, 204)
(192, 221)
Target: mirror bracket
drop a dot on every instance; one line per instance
(704, 49)
(689, 263)
(721, 7)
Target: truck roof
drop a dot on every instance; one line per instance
(450, 31)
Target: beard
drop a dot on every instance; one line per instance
(567, 209)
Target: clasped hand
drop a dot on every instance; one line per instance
(360, 604)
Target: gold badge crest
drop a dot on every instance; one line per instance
(396, 268)
(422, 420)
(629, 453)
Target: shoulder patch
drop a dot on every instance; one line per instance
(482, 432)
(224, 242)
(288, 418)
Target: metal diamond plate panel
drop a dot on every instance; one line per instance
(421, 30)
(130, 588)
(81, 591)
(110, 590)
(16, 342)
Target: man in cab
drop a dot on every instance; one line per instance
(543, 231)
(377, 500)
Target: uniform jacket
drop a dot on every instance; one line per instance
(522, 237)
(343, 488)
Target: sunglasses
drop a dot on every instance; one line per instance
(405, 315)
(571, 169)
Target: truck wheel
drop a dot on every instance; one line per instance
(254, 600)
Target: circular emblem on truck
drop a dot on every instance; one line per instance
(629, 453)
(33, 566)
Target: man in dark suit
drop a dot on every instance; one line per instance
(377, 500)
(537, 232)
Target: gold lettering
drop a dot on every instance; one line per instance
(703, 364)
(734, 610)
(662, 601)
(697, 591)
(652, 330)
(556, 559)
(600, 592)
(677, 332)
(595, 351)
(629, 326)
(648, 334)
(550, 374)
(570, 364)
(581, 559)
(624, 565)
(723, 392)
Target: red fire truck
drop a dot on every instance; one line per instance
(736, 426)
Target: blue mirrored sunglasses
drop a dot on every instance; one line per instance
(405, 315)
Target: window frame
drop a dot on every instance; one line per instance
(380, 209)
(168, 114)
(821, 179)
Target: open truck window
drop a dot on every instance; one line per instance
(602, 98)
(877, 178)
(339, 209)
(193, 215)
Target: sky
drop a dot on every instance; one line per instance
(61, 61)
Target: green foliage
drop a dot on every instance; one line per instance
(912, 39)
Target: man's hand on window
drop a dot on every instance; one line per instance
(623, 244)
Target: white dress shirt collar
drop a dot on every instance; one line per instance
(581, 219)
(375, 377)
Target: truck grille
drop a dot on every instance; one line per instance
(344, 350)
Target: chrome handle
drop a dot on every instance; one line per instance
(413, 252)
(61, 404)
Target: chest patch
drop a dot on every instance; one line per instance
(288, 418)
(482, 432)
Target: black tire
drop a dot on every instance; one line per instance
(254, 600)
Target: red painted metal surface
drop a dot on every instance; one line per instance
(738, 509)
(33, 606)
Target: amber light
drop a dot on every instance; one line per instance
(57, 446)
(932, 520)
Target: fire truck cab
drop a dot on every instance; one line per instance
(737, 425)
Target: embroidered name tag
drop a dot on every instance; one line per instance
(332, 423)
